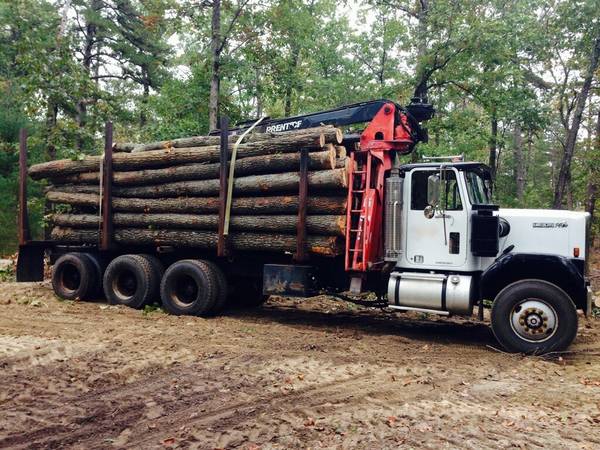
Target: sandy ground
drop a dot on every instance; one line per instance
(312, 374)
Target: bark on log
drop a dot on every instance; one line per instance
(321, 245)
(329, 180)
(124, 147)
(284, 143)
(267, 184)
(325, 224)
(246, 166)
(244, 205)
(200, 141)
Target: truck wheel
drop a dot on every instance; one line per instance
(157, 267)
(75, 277)
(131, 280)
(96, 287)
(222, 289)
(534, 317)
(189, 287)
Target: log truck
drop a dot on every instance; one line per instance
(423, 237)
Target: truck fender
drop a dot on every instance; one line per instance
(555, 269)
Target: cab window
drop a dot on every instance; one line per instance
(418, 189)
(450, 193)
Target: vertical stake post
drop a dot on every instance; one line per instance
(24, 232)
(224, 156)
(106, 240)
(300, 255)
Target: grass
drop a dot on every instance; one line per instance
(150, 309)
(7, 275)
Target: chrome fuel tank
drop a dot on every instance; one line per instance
(433, 291)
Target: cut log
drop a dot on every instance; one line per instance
(341, 151)
(266, 184)
(329, 180)
(244, 205)
(247, 166)
(201, 141)
(284, 143)
(325, 224)
(321, 245)
(124, 147)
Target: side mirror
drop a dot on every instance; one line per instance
(429, 212)
(433, 190)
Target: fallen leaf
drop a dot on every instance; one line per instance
(169, 442)
(590, 382)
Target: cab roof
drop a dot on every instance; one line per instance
(471, 165)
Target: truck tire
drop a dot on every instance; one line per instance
(159, 270)
(75, 277)
(189, 287)
(534, 317)
(96, 291)
(222, 289)
(131, 280)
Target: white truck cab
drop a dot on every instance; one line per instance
(452, 248)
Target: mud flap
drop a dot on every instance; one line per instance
(30, 263)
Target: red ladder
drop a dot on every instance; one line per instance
(359, 182)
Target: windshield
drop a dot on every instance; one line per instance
(479, 192)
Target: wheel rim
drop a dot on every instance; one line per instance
(70, 277)
(125, 285)
(534, 320)
(185, 290)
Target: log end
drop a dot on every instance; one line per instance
(331, 247)
(332, 156)
(341, 151)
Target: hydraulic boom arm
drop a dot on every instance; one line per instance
(390, 129)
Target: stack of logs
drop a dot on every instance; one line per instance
(167, 193)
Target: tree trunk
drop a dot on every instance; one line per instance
(91, 30)
(493, 145)
(519, 163)
(246, 166)
(215, 53)
(592, 184)
(145, 96)
(325, 225)
(423, 71)
(253, 184)
(282, 143)
(571, 139)
(258, 92)
(287, 97)
(245, 205)
(321, 245)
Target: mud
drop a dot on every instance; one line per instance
(291, 374)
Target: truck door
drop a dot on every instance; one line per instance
(436, 236)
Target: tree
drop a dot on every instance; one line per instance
(573, 129)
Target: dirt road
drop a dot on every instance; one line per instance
(288, 375)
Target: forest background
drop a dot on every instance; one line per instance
(515, 83)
